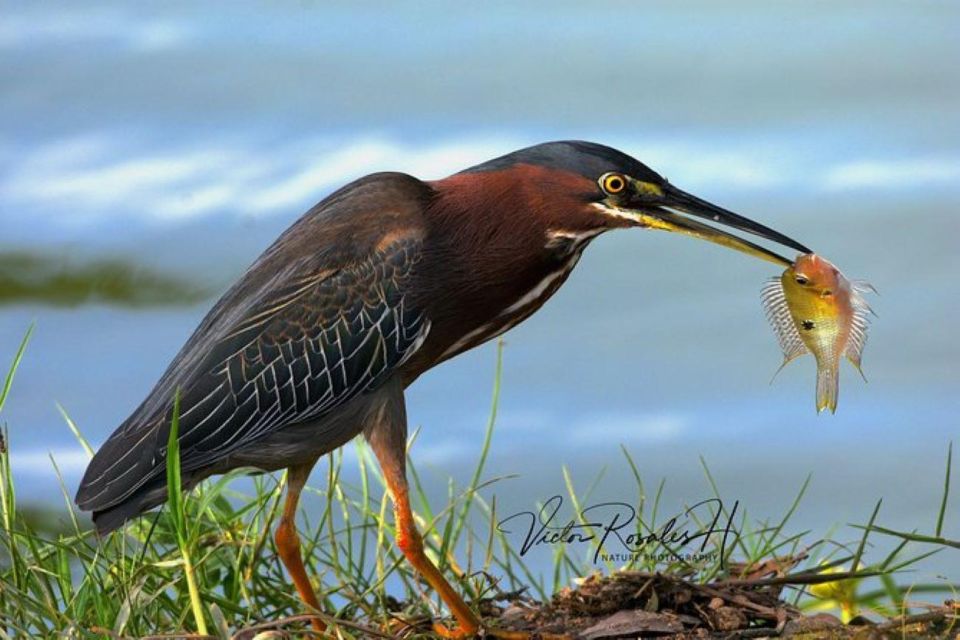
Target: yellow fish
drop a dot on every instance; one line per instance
(814, 309)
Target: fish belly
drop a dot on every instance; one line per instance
(822, 328)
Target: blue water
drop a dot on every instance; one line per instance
(189, 136)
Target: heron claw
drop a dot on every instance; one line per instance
(462, 633)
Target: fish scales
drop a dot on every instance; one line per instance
(813, 308)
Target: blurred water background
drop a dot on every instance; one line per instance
(172, 142)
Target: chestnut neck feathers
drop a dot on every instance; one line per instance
(493, 253)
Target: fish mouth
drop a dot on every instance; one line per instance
(677, 210)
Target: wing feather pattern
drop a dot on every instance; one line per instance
(312, 333)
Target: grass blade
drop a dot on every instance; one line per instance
(76, 431)
(863, 541)
(175, 503)
(8, 381)
(946, 493)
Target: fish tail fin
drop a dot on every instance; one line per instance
(828, 388)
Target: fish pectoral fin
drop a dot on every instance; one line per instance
(857, 339)
(787, 359)
(778, 315)
(855, 361)
(860, 287)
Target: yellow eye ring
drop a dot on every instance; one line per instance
(613, 183)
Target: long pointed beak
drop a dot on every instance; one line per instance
(665, 217)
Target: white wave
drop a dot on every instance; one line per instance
(84, 180)
(599, 429)
(70, 461)
(893, 174)
(59, 28)
(692, 166)
(528, 420)
(602, 430)
(368, 155)
(88, 179)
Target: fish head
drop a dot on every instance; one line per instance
(813, 274)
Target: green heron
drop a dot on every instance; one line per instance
(381, 281)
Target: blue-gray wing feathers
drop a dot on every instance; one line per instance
(320, 338)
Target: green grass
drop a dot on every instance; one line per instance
(206, 564)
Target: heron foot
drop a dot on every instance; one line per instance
(462, 633)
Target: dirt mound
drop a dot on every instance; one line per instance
(636, 604)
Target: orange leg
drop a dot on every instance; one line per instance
(392, 461)
(288, 542)
(387, 435)
(411, 544)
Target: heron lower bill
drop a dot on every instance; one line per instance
(378, 283)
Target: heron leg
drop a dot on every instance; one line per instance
(389, 445)
(386, 431)
(387, 437)
(288, 541)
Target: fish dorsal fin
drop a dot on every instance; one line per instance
(778, 314)
(859, 323)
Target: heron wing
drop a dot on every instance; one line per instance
(309, 327)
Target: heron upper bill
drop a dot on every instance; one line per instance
(666, 215)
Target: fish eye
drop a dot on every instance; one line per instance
(612, 183)
(801, 280)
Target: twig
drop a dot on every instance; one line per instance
(165, 636)
(308, 617)
(757, 632)
(797, 578)
(180, 636)
(738, 598)
(107, 632)
(941, 615)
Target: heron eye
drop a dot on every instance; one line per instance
(613, 183)
(801, 280)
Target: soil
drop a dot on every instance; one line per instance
(644, 605)
(632, 604)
